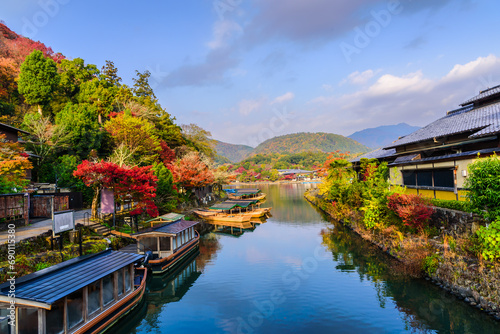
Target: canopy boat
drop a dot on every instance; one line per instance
(251, 206)
(245, 193)
(169, 243)
(87, 294)
(220, 216)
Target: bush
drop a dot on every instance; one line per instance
(413, 210)
(489, 240)
(451, 204)
(430, 264)
(483, 185)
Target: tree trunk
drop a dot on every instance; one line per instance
(95, 203)
(40, 109)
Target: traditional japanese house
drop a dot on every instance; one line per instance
(433, 160)
(169, 243)
(87, 294)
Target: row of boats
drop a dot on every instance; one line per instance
(242, 205)
(90, 293)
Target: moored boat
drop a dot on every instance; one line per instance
(245, 193)
(169, 243)
(219, 216)
(87, 294)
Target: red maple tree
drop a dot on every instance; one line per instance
(135, 183)
(191, 172)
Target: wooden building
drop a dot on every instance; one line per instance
(433, 160)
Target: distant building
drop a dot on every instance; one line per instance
(433, 160)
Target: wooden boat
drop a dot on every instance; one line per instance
(251, 207)
(245, 193)
(169, 243)
(87, 294)
(217, 216)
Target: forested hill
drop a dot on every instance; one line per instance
(235, 153)
(305, 141)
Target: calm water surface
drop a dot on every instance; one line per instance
(297, 273)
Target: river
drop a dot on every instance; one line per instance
(297, 273)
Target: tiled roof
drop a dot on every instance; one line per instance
(483, 95)
(482, 122)
(450, 156)
(376, 154)
(51, 284)
(170, 228)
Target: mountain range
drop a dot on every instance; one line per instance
(292, 143)
(382, 136)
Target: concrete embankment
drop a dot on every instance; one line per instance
(455, 270)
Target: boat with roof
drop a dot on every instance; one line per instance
(245, 193)
(168, 243)
(87, 294)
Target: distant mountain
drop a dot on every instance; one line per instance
(235, 153)
(382, 136)
(305, 141)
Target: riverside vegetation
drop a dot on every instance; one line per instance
(404, 225)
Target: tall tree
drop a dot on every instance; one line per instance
(38, 79)
(73, 73)
(98, 93)
(199, 139)
(141, 85)
(110, 73)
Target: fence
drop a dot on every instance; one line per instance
(14, 209)
(41, 205)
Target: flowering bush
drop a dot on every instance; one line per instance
(414, 210)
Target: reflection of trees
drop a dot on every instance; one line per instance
(423, 306)
(209, 246)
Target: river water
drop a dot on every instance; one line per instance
(297, 273)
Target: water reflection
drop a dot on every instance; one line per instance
(424, 307)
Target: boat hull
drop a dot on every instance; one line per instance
(169, 263)
(108, 318)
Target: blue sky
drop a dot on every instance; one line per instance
(248, 70)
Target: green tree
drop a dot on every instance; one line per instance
(141, 85)
(98, 93)
(38, 79)
(84, 133)
(73, 73)
(483, 187)
(166, 196)
(110, 73)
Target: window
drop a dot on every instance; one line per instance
(165, 244)
(55, 318)
(443, 178)
(28, 320)
(108, 286)
(120, 282)
(94, 298)
(4, 321)
(75, 308)
(149, 244)
(409, 178)
(127, 279)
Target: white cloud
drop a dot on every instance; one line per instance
(360, 78)
(413, 98)
(283, 98)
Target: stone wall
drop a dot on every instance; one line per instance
(456, 223)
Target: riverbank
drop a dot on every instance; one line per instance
(444, 259)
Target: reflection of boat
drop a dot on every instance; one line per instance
(245, 193)
(171, 287)
(87, 294)
(170, 243)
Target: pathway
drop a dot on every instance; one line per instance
(38, 228)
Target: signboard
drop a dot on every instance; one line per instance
(107, 201)
(63, 221)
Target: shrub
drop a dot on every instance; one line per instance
(413, 210)
(451, 204)
(483, 185)
(430, 264)
(489, 240)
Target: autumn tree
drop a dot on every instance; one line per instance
(192, 172)
(199, 139)
(135, 136)
(136, 183)
(38, 79)
(13, 165)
